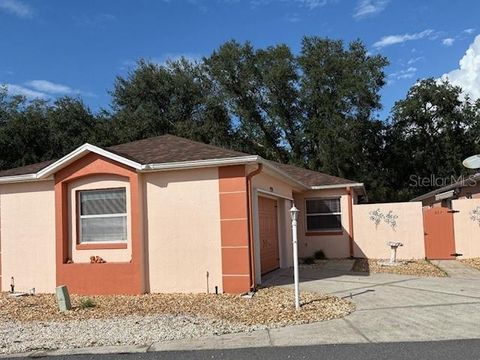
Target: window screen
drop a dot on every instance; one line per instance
(323, 214)
(103, 215)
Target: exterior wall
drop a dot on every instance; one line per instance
(370, 239)
(183, 230)
(80, 253)
(27, 236)
(237, 276)
(467, 230)
(266, 185)
(334, 244)
(272, 185)
(127, 277)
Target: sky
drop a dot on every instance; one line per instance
(55, 48)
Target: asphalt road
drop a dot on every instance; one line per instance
(439, 350)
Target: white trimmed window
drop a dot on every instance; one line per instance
(323, 214)
(102, 215)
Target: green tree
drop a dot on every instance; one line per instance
(431, 131)
(175, 98)
(260, 90)
(339, 95)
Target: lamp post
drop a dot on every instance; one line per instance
(294, 215)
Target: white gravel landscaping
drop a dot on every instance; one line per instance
(131, 330)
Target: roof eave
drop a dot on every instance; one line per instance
(22, 178)
(78, 153)
(240, 160)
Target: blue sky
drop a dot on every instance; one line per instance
(54, 48)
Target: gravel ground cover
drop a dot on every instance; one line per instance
(34, 322)
(409, 267)
(474, 263)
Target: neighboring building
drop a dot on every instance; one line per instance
(467, 188)
(165, 214)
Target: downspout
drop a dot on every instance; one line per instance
(250, 224)
(350, 220)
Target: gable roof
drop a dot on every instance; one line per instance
(312, 178)
(169, 148)
(171, 152)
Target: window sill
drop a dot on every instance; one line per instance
(101, 246)
(323, 233)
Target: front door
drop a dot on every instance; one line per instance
(439, 234)
(268, 221)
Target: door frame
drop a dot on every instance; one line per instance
(277, 207)
(282, 204)
(446, 211)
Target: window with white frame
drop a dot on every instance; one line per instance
(323, 214)
(102, 215)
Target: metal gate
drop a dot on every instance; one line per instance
(439, 233)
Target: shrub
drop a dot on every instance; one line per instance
(320, 255)
(86, 303)
(309, 260)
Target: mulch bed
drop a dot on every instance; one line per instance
(410, 267)
(474, 263)
(269, 306)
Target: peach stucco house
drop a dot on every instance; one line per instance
(165, 214)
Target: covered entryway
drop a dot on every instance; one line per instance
(268, 229)
(439, 233)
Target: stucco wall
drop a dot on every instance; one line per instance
(334, 246)
(271, 185)
(467, 231)
(370, 239)
(264, 184)
(27, 236)
(94, 183)
(183, 230)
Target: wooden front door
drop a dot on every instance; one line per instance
(439, 234)
(267, 214)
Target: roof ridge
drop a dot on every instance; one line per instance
(178, 138)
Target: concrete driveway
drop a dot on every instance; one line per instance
(389, 307)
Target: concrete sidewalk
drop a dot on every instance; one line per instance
(390, 308)
(456, 269)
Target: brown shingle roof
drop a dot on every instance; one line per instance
(310, 177)
(29, 169)
(170, 149)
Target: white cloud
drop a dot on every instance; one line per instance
(467, 76)
(469, 31)
(312, 4)
(44, 89)
(293, 17)
(369, 7)
(448, 41)
(398, 39)
(416, 59)
(404, 74)
(16, 7)
(13, 89)
(309, 4)
(50, 87)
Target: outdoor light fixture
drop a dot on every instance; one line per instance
(294, 215)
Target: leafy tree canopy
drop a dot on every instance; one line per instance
(314, 109)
